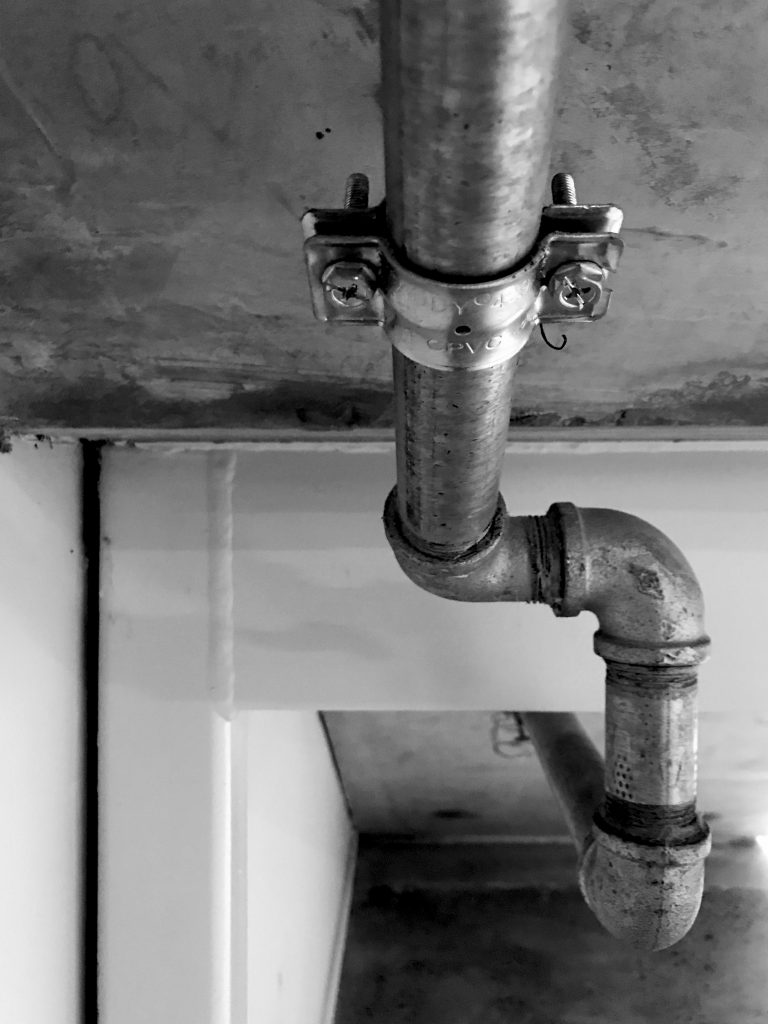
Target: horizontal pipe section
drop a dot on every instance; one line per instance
(573, 767)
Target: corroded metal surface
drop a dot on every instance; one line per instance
(647, 896)
(642, 868)
(636, 581)
(650, 741)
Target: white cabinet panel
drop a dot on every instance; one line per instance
(41, 697)
(226, 849)
(166, 772)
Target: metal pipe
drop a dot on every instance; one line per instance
(451, 430)
(468, 92)
(643, 874)
(468, 95)
(573, 766)
(642, 869)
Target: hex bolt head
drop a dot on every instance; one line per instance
(578, 285)
(349, 285)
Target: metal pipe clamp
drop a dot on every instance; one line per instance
(450, 325)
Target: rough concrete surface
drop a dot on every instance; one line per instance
(441, 775)
(537, 956)
(156, 158)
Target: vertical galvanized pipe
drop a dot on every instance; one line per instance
(650, 753)
(468, 95)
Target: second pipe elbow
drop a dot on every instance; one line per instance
(642, 869)
(636, 581)
(642, 873)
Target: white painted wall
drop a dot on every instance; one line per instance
(226, 852)
(171, 838)
(241, 587)
(323, 617)
(301, 858)
(40, 734)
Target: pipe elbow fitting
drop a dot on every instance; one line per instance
(642, 871)
(648, 896)
(636, 581)
(496, 568)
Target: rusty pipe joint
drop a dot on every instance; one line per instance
(640, 586)
(643, 872)
(642, 869)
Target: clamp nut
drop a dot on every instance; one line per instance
(349, 285)
(577, 286)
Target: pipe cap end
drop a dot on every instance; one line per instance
(648, 896)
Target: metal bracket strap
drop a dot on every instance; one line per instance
(355, 277)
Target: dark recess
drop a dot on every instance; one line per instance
(90, 511)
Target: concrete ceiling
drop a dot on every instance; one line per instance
(452, 774)
(156, 158)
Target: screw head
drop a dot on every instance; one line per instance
(577, 286)
(349, 285)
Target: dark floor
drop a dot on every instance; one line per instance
(479, 954)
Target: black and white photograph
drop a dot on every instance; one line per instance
(384, 511)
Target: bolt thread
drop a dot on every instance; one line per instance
(356, 195)
(563, 189)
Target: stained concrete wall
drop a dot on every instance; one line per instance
(443, 775)
(156, 159)
(496, 934)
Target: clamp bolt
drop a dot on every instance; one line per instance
(577, 286)
(356, 194)
(563, 189)
(349, 285)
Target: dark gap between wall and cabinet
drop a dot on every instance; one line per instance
(90, 511)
